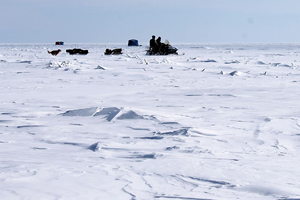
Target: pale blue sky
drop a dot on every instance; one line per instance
(116, 21)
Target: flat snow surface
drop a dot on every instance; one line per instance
(216, 122)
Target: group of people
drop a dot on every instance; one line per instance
(157, 47)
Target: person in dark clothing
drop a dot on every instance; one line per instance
(153, 44)
(158, 43)
(161, 47)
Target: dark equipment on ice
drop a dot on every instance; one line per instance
(133, 42)
(113, 52)
(77, 51)
(59, 43)
(162, 49)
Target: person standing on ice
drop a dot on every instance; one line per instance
(158, 43)
(153, 44)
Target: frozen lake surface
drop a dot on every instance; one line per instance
(217, 121)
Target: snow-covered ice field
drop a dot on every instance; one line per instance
(216, 122)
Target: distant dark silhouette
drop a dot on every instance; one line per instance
(59, 43)
(77, 51)
(113, 52)
(133, 42)
(153, 44)
(159, 48)
(158, 44)
(55, 52)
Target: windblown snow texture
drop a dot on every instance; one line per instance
(218, 121)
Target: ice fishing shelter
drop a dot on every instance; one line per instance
(133, 42)
(59, 43)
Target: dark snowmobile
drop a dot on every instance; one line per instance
(165, 49)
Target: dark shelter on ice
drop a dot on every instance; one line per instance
(133, 42)
(59, 43)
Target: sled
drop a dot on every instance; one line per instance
(113, 52)
(77, 51)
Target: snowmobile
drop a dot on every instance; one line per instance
(165, 50)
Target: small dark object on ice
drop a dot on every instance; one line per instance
(113, 52)
(55, 52)
(77, 51)
(133, 42)
(59, 43)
